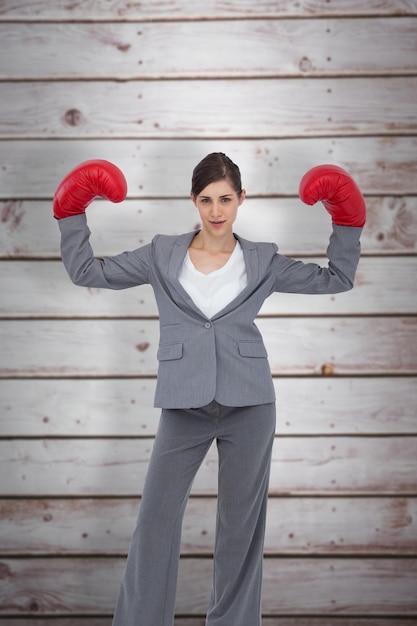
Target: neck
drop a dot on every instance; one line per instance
(204, 241)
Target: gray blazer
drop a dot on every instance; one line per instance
(201, 359)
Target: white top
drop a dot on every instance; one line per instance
(212, 292)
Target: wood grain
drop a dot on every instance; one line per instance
(117, 467)
(382, 166)
(30, 232)
(296, 346)
(200, 621)
(377, 526)
(189, 109)
(154, 87)
(382, 284)
(249, 48)
(124, 407)
(292, 586)
(121, 10)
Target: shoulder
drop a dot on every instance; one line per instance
(165, 246)
(264, 248)
(169, 241)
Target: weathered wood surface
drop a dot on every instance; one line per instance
(295, 526)
(124, 407)
(129, 51)
(189, 109)
(117, 467)
(29, 231)
(348, 586)
(296, 346)
(121, 10)
(200, 621)
(43, 289)
(278, 95)
(382, 166)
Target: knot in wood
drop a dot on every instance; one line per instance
(305, 65)
(73, 117)
(142, 346)
(327, 369)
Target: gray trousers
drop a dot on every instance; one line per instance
(244, 440)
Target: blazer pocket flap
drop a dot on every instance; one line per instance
(169, 352)
(252, 349)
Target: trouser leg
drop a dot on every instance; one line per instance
(245, 448)
(148, 588)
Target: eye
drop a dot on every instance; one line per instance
(204, 200)
(226, 199)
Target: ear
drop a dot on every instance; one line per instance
(193, 198)
(242, 196)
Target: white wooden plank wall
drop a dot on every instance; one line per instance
(154, 86)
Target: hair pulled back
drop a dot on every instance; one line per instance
(215, 166)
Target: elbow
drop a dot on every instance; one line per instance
(345, 284)
(78, 279)
(341, 281)
(347, 287)
(79, 275)
(339, 284)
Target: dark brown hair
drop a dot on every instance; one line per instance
(215, 166)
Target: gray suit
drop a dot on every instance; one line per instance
(234, 370)
(214, 383)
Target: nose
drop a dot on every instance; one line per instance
(216, 209)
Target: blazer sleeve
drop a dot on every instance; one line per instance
(116, 272)
(343, 253)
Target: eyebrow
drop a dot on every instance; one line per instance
(226, 195)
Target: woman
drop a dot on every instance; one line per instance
(214, 381)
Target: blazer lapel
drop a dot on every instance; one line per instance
(250, 254)
(181, 245)
(179, 252)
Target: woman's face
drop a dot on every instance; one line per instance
(218, 204)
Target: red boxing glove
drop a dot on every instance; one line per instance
(89, 180)
(339, 193)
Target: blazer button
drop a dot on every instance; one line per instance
(207, 325)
